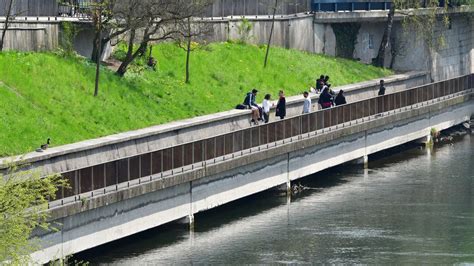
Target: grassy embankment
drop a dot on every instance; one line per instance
(45, 95)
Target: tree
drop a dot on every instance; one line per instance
(150, 21)
(271, 34)
(24, 197)
(6, 24)
(189, 31)
(420, 16)
(97, 14)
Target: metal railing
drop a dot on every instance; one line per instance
(150, 166)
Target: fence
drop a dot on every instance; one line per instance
(47, 8)
(115, 175)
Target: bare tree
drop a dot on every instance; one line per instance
(419, 16)
(6, 23)
(271, 34)
(190, 31)
(97, 14)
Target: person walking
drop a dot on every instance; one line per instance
(281, 105)
(266, 105)
(340, 98)
(249, 102)
(307, 103)
(382, 88)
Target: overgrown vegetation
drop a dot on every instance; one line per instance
(346, 38)
(44, 95)
(23, 201)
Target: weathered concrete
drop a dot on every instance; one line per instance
(118, 214)
(96, 151)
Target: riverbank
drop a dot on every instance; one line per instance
(46, 95)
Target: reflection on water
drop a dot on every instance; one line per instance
(415, 206)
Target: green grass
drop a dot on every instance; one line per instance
(46, 95)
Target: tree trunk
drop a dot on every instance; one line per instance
(271, 34)
(387, 35)
(130, 58)
(99, 50)
(188, 50)
(5, 26)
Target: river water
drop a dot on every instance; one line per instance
(415, 206)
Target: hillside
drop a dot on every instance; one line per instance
(47, 95)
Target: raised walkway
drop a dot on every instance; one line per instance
(116, 198)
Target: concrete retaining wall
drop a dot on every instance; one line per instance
(128, 211)
(97, 151)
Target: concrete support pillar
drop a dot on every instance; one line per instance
(188, 220)
(362, 161)
(425, 141)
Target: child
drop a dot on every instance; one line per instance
(266, 108)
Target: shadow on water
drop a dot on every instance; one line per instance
(174, 232)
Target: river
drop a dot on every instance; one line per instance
(415, 206)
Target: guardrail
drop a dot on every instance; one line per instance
(126, 172)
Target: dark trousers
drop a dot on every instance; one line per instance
(266, 117)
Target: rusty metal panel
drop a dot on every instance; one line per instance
(156, 162)
(280, 129)
(313, 117)
(122, 170)
(264, 134)
(198, 151)
(305, 123)
(70, 178)
(296, 126)
(178, 156)
(355, 112)
(229, 143)
(210, 148)
(188, 154)
(99, 176)
(220, 146)
(333, 115)
(327, 118)
(247, 139)
(110, 173)
(85, 180)
(366, 104)
(346, 112)
(287, 128)
(134, 165)
(255, 136)
(272, 136)
(238, 140)
(167, 159)
(373, 106)
(340, 115)
(145, 165)
(380, 104)
(320, 120)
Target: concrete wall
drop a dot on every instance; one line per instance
(97, 151)
(31, 36)
(224, 8)
(46, 35)
(109, 217)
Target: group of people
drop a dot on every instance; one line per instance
(263, 113)
(327, 99)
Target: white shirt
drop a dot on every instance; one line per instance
(266, 106)
(307, 106)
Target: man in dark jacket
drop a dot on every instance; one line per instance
(382, 88)
(340, 98)
(249, 101)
